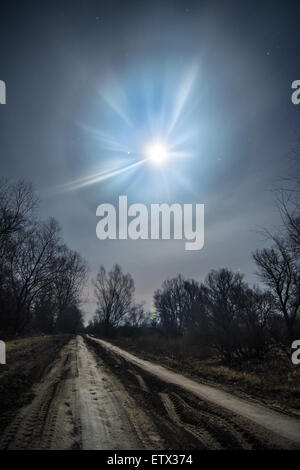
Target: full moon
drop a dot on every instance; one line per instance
(157, 153)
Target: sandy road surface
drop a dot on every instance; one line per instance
(80, 405)
(282, 426)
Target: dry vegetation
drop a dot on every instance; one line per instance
(27, 359)
(272, 379)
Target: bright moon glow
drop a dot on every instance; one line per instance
(157, 153)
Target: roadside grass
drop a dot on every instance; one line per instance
(26, 361)
(19, 343)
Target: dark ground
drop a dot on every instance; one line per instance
(25, 365)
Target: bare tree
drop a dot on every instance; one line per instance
(226, 297)
(71, 321)
(288, 199)
(168, 303)
(175, 302)
(69, 271)
(255, 322)
(39, 276)
(32, 267)
(279, 269)
(136, 316)
(17, 202)
(58, 299)
(114, 293)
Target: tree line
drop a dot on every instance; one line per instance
(40, 277)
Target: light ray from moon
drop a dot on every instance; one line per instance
(115, 106)
(182, 97)
(97, 178)
(116, 98)
(108, 141)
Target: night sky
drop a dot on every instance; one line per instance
(90, 82)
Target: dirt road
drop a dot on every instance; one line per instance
(79, 405)
(283, 426)
(97, 396)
